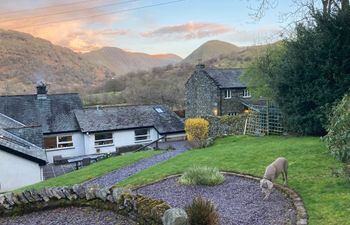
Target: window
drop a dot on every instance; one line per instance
(57, 142)
(246, 93)
(103, 139)
(159, 110)
(232, 113)
(227, 94)
(142, 135)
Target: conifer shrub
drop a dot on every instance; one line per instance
(197, 130)
(202, 176)
(202, 212)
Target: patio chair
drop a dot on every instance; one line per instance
(86, 161)
(57, 159)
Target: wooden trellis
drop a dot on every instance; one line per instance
(263, 120)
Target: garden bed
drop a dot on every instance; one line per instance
(239, 200)
(69, 216)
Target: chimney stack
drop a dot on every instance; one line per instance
(41, 90)
(200, 66)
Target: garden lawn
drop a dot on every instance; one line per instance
(92, 171)
(313, 173)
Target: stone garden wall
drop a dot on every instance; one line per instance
(225, 125)
(141, 209)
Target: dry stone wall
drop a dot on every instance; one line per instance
(136, 207)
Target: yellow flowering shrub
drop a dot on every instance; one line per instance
(197, 130)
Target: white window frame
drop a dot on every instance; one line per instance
(147, 136)
(246, 93)
(58, 142)
(227, 93)
(102, 140)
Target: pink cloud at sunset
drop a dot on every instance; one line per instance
(190, 30)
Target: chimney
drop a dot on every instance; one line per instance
(200, 66)
(41, 90)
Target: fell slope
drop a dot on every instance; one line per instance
(121, 62)
(25, 60)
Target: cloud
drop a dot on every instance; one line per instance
(71, 26)
(190, 30)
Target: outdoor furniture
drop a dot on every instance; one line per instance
(86, 161)
(57, 159)
(79, 160)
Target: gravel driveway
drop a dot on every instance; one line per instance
(68, 216)
(239, 200)
(125, 172)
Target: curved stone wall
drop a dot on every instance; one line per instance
(136, 207)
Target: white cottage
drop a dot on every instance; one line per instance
(68, 130)
(20, 160)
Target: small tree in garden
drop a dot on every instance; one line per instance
(197, 130)
(202, 212)
(338, 137)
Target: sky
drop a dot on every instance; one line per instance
(150, 26)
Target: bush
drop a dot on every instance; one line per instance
(202, 176)
(197, 131)
(338, 137)
(202, 212)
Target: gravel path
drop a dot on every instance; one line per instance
(68, 216)
(125, 172)
(239, 200)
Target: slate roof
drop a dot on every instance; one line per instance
(55, 113)
(129, 117)
(226, 78)
(18, 146)
(7, 122)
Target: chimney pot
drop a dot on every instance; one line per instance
(200, 66)
(41, 90)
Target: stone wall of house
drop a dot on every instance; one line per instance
(144, 210)
(233, 104)
(202, 95)
(225, 125)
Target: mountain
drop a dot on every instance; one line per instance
(25, 60)
(223, 54)
(209, 50)
(121, 62)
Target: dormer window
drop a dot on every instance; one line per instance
(227, 94)
(246, 93)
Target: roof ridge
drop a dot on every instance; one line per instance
(120, 106)
(32, 95)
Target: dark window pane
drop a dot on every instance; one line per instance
(102, 136)
(64, 138)
(66, 145)
(50, 142)
(141, 132)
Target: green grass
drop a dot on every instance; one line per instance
(94, 170)
(311, 170)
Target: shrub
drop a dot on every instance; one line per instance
(202, 212)
(338, 137)
(202, 176)
(197, 131)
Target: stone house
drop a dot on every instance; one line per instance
(215, 92)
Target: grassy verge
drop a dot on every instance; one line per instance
(95, 170)
(315, 175)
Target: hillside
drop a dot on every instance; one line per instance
(121, 62)
(25, 60)
(223, 54)
(166, 84)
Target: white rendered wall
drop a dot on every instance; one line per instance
(77, 149)
(17, 172)
(120, 138)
